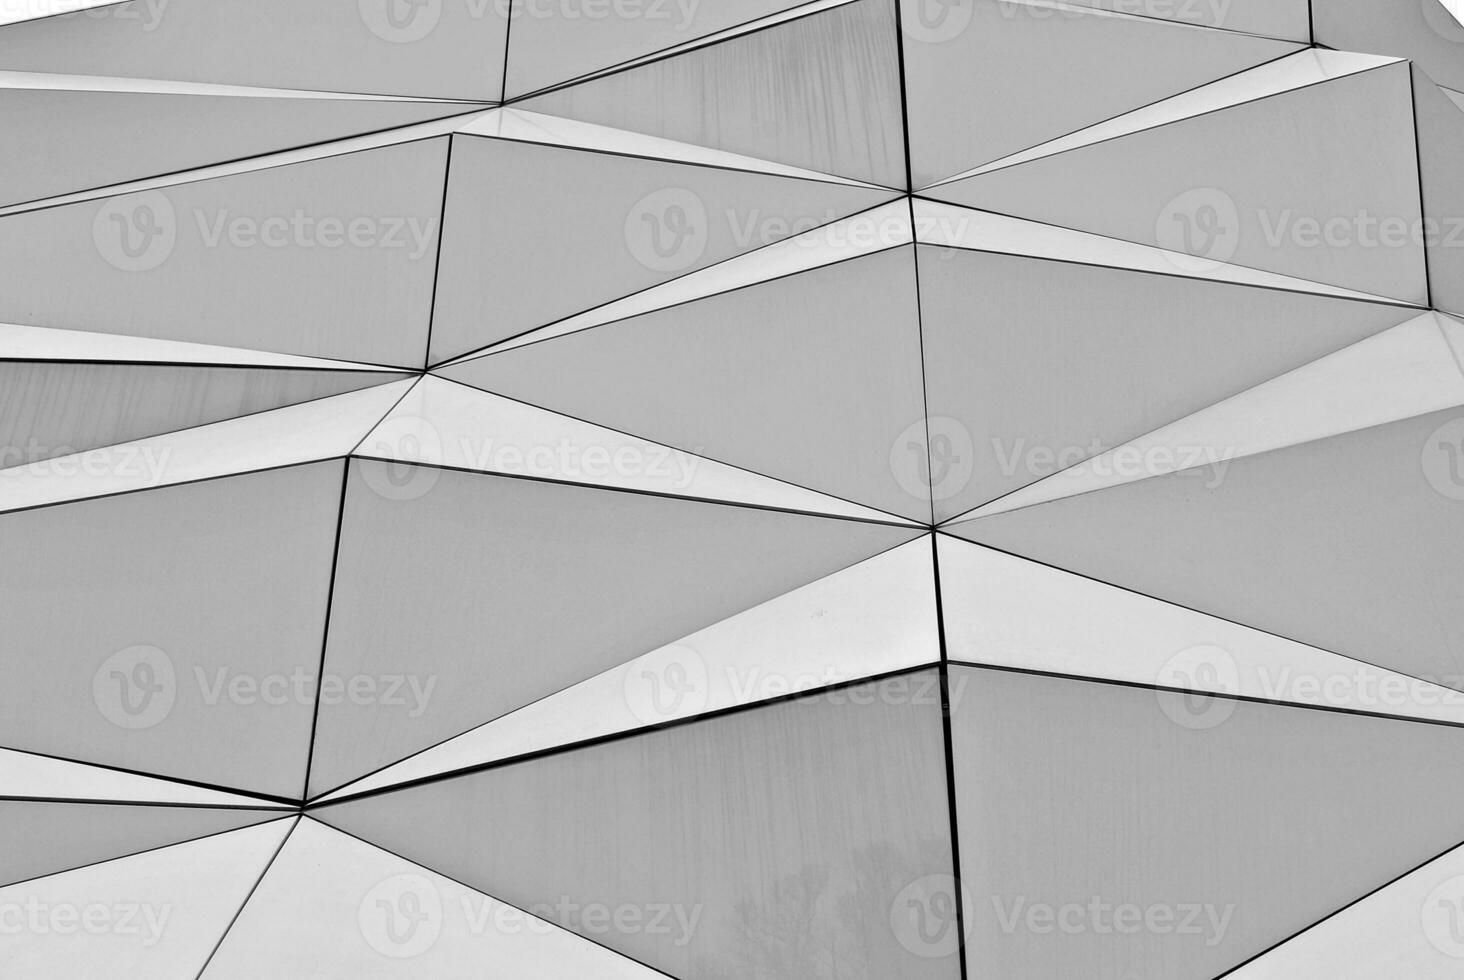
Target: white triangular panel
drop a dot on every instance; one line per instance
(1407, 928)
(24, 343)
(1005, 611)
(157, 914)
(536, 127)
(983, 231)
(334, 906)
(1310, 67)
(1408, 370)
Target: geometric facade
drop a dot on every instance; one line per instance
(849, 489)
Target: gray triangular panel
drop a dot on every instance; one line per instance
(780, 842)
(761, 94)
(1173, 844)
(329, 258)
(172, 631)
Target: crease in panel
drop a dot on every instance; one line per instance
(524, 126)
(449, 424)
